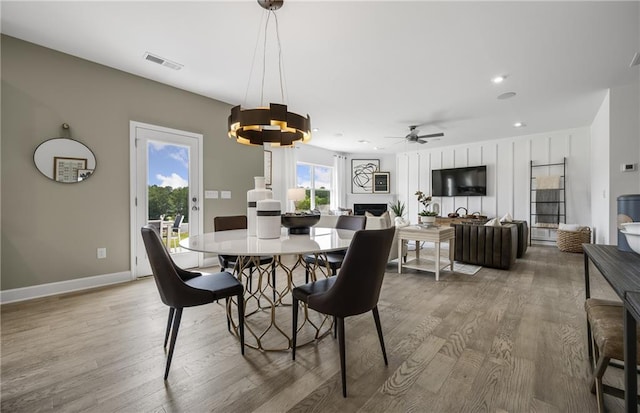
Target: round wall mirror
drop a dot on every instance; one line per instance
(64, 160)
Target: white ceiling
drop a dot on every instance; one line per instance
(366, 70)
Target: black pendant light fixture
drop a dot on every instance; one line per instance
(273, 124)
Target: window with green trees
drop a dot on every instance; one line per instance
(316, 179)
(167, 201)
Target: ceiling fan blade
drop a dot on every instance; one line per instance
(433, 135)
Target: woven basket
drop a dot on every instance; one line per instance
(571, 241)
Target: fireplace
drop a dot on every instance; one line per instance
(375, 209)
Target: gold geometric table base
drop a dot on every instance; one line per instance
(267, 320)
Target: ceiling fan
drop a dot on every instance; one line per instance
(414, 135)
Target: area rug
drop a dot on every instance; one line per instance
(467, 269)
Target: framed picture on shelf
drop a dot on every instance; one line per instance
(66, 169)
(381, 182)
(362, 175)
(267, 167)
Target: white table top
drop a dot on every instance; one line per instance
(236, 242)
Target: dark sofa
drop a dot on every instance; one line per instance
(495, 247)
(523, 237)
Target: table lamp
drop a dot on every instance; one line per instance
(294, 195)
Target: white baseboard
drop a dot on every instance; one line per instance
(210, 262)
(44, 290)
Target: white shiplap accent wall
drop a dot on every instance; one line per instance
(508, 173)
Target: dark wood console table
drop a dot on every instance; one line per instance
(621, 269)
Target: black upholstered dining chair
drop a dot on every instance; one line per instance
(179, 288)
(355, 290)
(231, 222)
(334, 259)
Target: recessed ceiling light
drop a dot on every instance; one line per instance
(315, 130)
(363, 141)
(377, 148)
(498, 79)
(506, 95)
(519, 125)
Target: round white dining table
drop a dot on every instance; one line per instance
(237, 242)
(268, 304)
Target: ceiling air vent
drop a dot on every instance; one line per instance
(162, 61)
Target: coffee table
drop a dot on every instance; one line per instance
(429, 234)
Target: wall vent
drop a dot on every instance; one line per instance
(636, 60)
(162, 61)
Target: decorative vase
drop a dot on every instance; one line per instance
(259, 193)
(268, 219)
(429, 219)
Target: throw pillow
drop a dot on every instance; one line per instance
(506, 218)
(386, 219)
(368, 214)
(493, 223)
(569, 227)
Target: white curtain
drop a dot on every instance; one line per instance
(339, 198)
(289, 173)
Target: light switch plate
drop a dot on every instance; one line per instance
(225, 194)
(211, 194)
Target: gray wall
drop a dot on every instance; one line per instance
(50, 231)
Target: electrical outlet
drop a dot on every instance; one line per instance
(102, 253)
(225, 194)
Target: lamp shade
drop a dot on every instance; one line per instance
(296, 194)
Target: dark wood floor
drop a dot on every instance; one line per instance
(510, 341)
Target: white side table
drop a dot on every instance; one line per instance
(435, 235)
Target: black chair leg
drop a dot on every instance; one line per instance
(376, 318)
(241, 321)
(294, 333)
(335, 328)
(226, 302)
(169, 322)
(174, 335)
(306, 274)
(334, 271)
(250, 278)
(343, 367)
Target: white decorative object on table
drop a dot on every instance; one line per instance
(631, 227)
(268, 219)
(260, 192)
(633, 240)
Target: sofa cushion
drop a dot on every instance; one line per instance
(506, 218)
(493, 223)
(381, 222)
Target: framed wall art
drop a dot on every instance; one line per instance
(381, 182)
(362, 175)
(66, 169)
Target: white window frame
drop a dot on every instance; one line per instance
(312, 193)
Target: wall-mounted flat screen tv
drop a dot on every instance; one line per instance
(469, 181)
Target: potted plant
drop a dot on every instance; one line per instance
(425, 215)
(398, 208)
